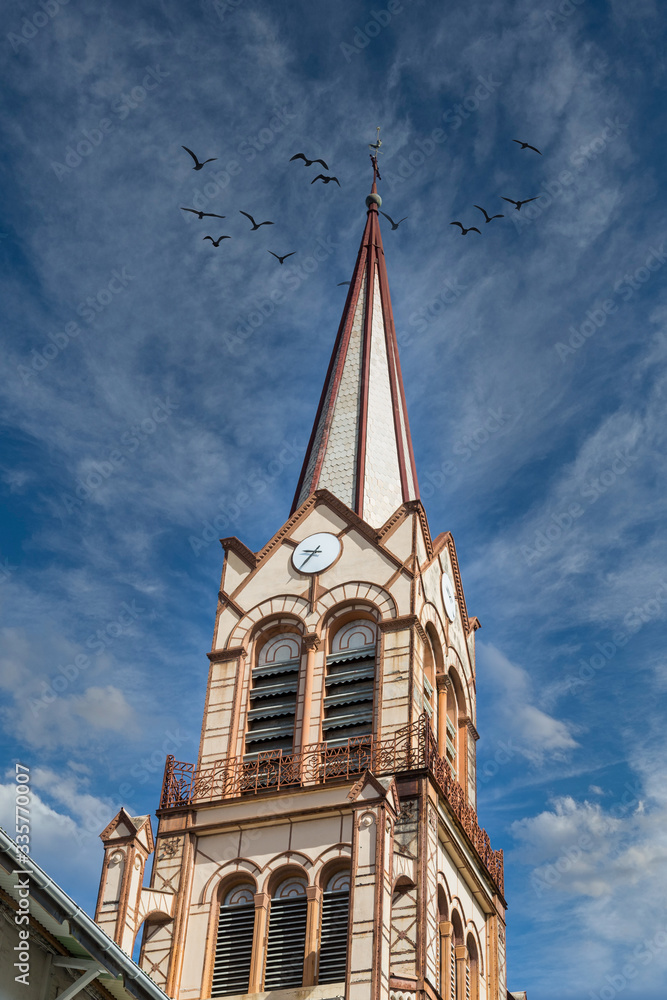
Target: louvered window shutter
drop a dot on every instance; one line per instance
(348, 701)
(452, 970)
(467, 980)
(273, 697)
(287, 937)
(333, 936)
(233, 950)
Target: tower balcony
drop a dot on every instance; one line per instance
(412, 749)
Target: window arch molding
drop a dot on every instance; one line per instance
(294, 609)
(455, 665)
(437, 647)
(344, 613)
(372, 598)
(228, 883)
(272, 626)
(326, 872)
(472, 932)
(430, 617)
(282, 873)
(239, 869)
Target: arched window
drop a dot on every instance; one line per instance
(273, 696)
(233, 949)
(451, 741)
(286, 946)
(333, 936)
(444, 934)
(429, 683)
(472, 969)
(456, 944)
(348, 701)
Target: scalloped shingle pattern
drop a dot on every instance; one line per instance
(382, 480)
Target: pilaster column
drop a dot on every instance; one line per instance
(312, 644)
(445, 928)
(314, 895)
(461, 955)
(260, 932)
(442, 684)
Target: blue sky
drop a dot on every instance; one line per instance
(159, 393)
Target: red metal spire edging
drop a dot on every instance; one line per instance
(370, 264)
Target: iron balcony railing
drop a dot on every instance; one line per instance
(412, 748)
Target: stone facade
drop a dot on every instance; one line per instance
(368, 777)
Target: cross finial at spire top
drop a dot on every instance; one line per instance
(375, 146)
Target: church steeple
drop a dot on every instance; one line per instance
(360, 447)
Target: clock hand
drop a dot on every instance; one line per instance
(313, 552)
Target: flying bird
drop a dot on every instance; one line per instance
(394, 225)
(198, 165)
(518, 204)
(343, 283)
(201, 215)
(306, 161)
(284, 256)
(325, 180)
(527, 145)
(487, 216)
(216, 243)
(464, 232)
(256, 225)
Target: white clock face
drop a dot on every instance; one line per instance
(316, 552)
(449, 597)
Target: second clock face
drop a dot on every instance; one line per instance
(316, 552)
(449, 597)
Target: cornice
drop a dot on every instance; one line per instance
(233, 653)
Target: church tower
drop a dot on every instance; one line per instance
(326, 843)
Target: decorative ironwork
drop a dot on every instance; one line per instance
(412, 748)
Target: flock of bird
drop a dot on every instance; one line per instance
(517, 204)
(281, 258)
(328, 179)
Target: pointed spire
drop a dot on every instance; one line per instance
(360, 447)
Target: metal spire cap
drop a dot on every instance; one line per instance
(373, 199)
